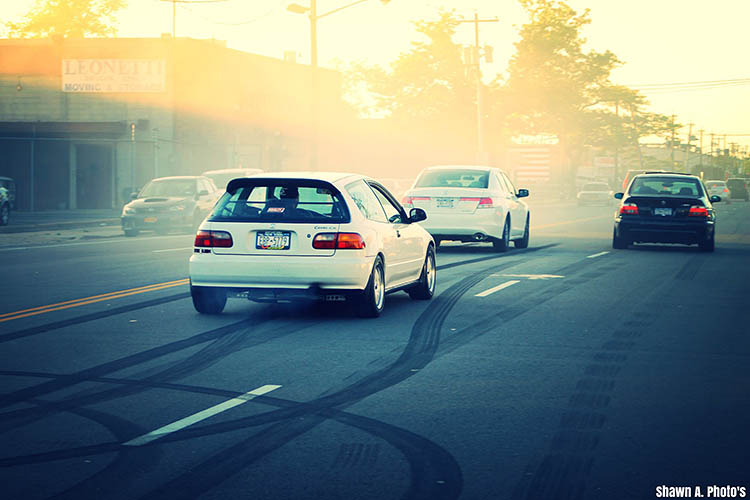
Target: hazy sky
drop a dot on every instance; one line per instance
(660, 41)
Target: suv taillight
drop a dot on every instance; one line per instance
(629, 209)
(696, 211)
(213, 239)
(340, 241)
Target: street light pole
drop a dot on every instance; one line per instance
(314, 97)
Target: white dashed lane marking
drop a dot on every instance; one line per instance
(596, 255)
(497, 288)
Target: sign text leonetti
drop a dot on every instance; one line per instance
(113, 75)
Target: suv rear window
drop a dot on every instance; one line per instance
(282, 200)
(454, 178)
(666, 186)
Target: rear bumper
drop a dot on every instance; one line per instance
(299, 274)
(648, 231)
(464, 226)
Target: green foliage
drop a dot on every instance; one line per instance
(427, 83)
(68, 18)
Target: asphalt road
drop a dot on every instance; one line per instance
(589, 373)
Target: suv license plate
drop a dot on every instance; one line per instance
(445, 202)
(273, 240)
(662, 211)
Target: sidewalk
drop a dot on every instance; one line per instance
(48, 220)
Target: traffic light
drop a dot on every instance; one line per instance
(132, 132)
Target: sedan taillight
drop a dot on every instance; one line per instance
(340, 241)
(409, 200)
(484, 202)
(213, 239)
(696, 211)
(629, 209)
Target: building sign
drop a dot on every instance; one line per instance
(113, 75)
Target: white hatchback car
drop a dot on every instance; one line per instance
(298, 235)
(471, 203)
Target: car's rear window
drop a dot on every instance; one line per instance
(666, 186)
(282, 200)
(454, 178)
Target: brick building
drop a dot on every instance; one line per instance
(85, 121)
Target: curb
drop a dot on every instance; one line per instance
(52, 226)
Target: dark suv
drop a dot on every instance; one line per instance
(665, 208)
(737, 189)
(169, 203)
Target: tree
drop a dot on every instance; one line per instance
(554, 85)
(426, 87)
(68, 18)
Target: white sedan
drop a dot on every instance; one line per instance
(471, 203)
(301, 235)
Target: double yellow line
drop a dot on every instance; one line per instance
(90, 300)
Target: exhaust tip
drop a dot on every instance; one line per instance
(480, 236)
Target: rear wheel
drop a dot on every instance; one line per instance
(524, 241)
(502, 244)
(425, 288)
(208, 300)
(707, 245)
(4, 214)
(618, 242)
(131, 232)
(372, 300)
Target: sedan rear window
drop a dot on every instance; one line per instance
(666, 186)
(454, 178)
(282, 200)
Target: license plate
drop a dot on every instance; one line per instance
(445, 202)
(273, 240)
(149, 219)
(662, 211)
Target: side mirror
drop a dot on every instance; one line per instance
(133, 195)
(715, 199)
(522, 193)
(417, 215)
(618, 196)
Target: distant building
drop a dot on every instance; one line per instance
(83, 122)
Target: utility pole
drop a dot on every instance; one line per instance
(712, 149)
(685, 165)
(701, 146)
(481, 154)
(671, 146)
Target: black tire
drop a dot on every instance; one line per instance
(707, 245)
(502, 244)
(438, 241)
(425, 288)
(524, 241)
(619, 242)
(208, 300)
(372, 300)
(131, 232)
(4, 214)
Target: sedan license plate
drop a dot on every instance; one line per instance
(273, 240)
(662, 211)
(149, 219)
(445, 202)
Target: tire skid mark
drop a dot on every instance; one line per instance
(563, 471)
(91, 317)
(434, 472)
(230, 343)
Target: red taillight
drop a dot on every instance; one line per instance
(629, 209)
(350, 241)
(409, 200)
(698, 212)
(213, 239)
(341, 241)
(726, 190)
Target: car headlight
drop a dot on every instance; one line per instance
(177, 208)
(128, 210)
